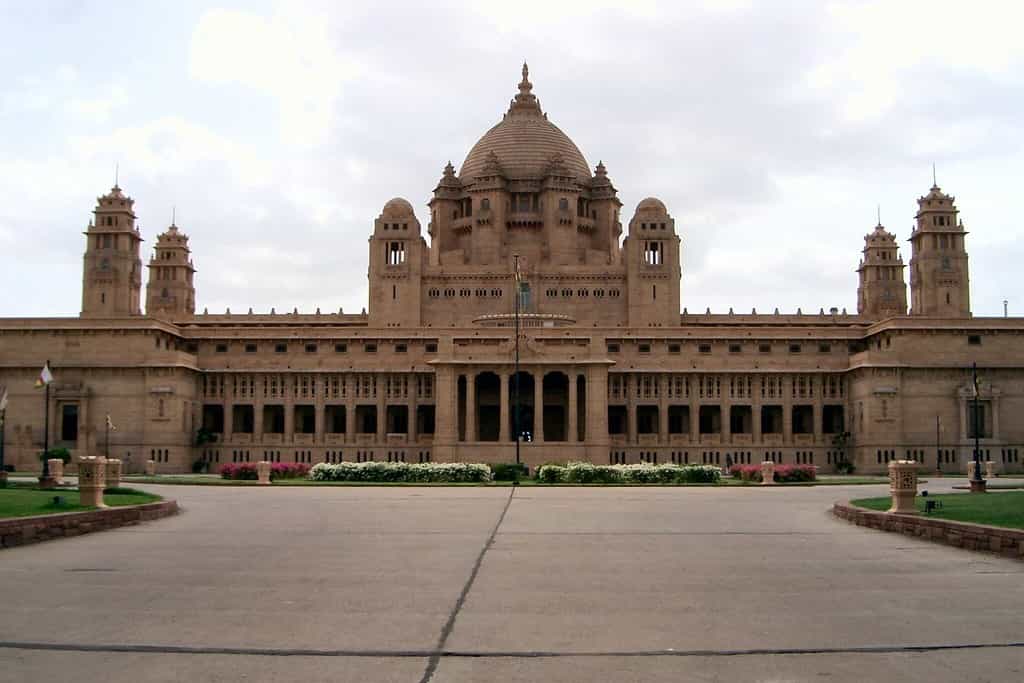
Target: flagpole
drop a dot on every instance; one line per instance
(515, 383)
(45, 479)
(3, 425)
(106, 448)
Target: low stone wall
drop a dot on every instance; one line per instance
(24, 530)
(1006, 542)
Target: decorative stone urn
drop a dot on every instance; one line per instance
(150, 468)
(903, 486)
(263, 472)
(92, 479)
(113, 473)
(56, 470)
(990, 469)
(767, 473)
(970, 469)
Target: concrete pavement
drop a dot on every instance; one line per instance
(574, 584)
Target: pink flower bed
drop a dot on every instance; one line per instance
(278, 470)
(783, 473)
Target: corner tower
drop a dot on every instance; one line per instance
(652, 266)
(397, 252)
(112, 268)
(171, 291)
(883, 291)
(939, 278)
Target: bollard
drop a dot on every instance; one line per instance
(56, 470)
(113, 473)
(903, 486)
(92, 479)
(150, 468)
(263, 472)
(990, 469)
(767, 473)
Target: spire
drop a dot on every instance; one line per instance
(879, 207)
(525, 101)
(935, 182)
(117, 172)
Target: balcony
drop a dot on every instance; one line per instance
(303, 439)
(771, 439)
(393, 439)
(241, 438)
(803, 439)
(617, 439)
(366, 439)
(679, 439)
(334, 439)
(425, 439)
(742, 439)
(710, 439)
(274, 439)
(647, 439)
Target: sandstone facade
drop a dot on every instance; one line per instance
(610, 370)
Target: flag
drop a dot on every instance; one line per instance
(3, 400)
(45, 377)
(519, 276)
(110, 425)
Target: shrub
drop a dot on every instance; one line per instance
(200, 466)
(278, 470)
(845, 467)
(506, 471)
(588, 473)
(783, 473)
(453, 472)
(61, 453)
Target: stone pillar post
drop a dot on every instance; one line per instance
(92, 479)
(56, 469)
(970, 468)
(572, 426)
(503, 411)
(263, 472)
(150, 468)
(767, 473)
(471, 434)
(990, 469)
(113, 473)
(903, 485)
(538, 406)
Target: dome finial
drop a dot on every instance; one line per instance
(525, 101)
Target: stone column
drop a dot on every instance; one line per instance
(503, 411)
(263, 472)
(382, 410)
(538, 406)
(56, 469)
(631, 382)
(471, 435)
(903, 486)
(446, 389)
(113, 473)
(350, 420)
(411, 405)
(92, 479)
(767, 473)
(572, 423)
(663, 410)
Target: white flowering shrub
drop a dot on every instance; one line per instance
(401, 472)
(643, 473)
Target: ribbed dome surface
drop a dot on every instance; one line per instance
(524, 142)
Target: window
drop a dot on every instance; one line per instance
(192, 347)
(370, 348)
(69, 422)
(824, 348)
(704, 348)
(764, 348)
(674, 348)
(401, 348)
(485, 204)
(250, 348)
(794, 348)
(280, 348)
(431, 347)
(563, 204)
(395, 253)
(735, 348)
(974, 339)
(644, 348)
(222, 348)
(654, 253)
(310, 348)
(613, 348)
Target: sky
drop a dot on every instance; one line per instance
(276, 131)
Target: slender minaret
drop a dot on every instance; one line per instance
(171, 292)
(882, 291)
(939, 277)
(112, 268)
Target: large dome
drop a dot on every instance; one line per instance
(524, 143)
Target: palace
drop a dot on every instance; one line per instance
(610, 370)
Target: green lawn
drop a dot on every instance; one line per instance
(1004, 508)
(24, 501)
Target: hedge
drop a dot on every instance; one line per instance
(453, 472)
(587, 473)
(783, 473)
(278, 470)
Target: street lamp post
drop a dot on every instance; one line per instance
(977, 483)
(938, 446)
(515, 380)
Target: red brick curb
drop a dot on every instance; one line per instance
(25, 530)
(1005, 542)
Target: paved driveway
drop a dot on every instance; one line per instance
(476, 584)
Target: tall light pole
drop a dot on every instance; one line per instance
(977, 483)
(938, 446)
(515, 380)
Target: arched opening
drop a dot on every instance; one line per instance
(488, 406)
(525, 410)
(556, 406)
